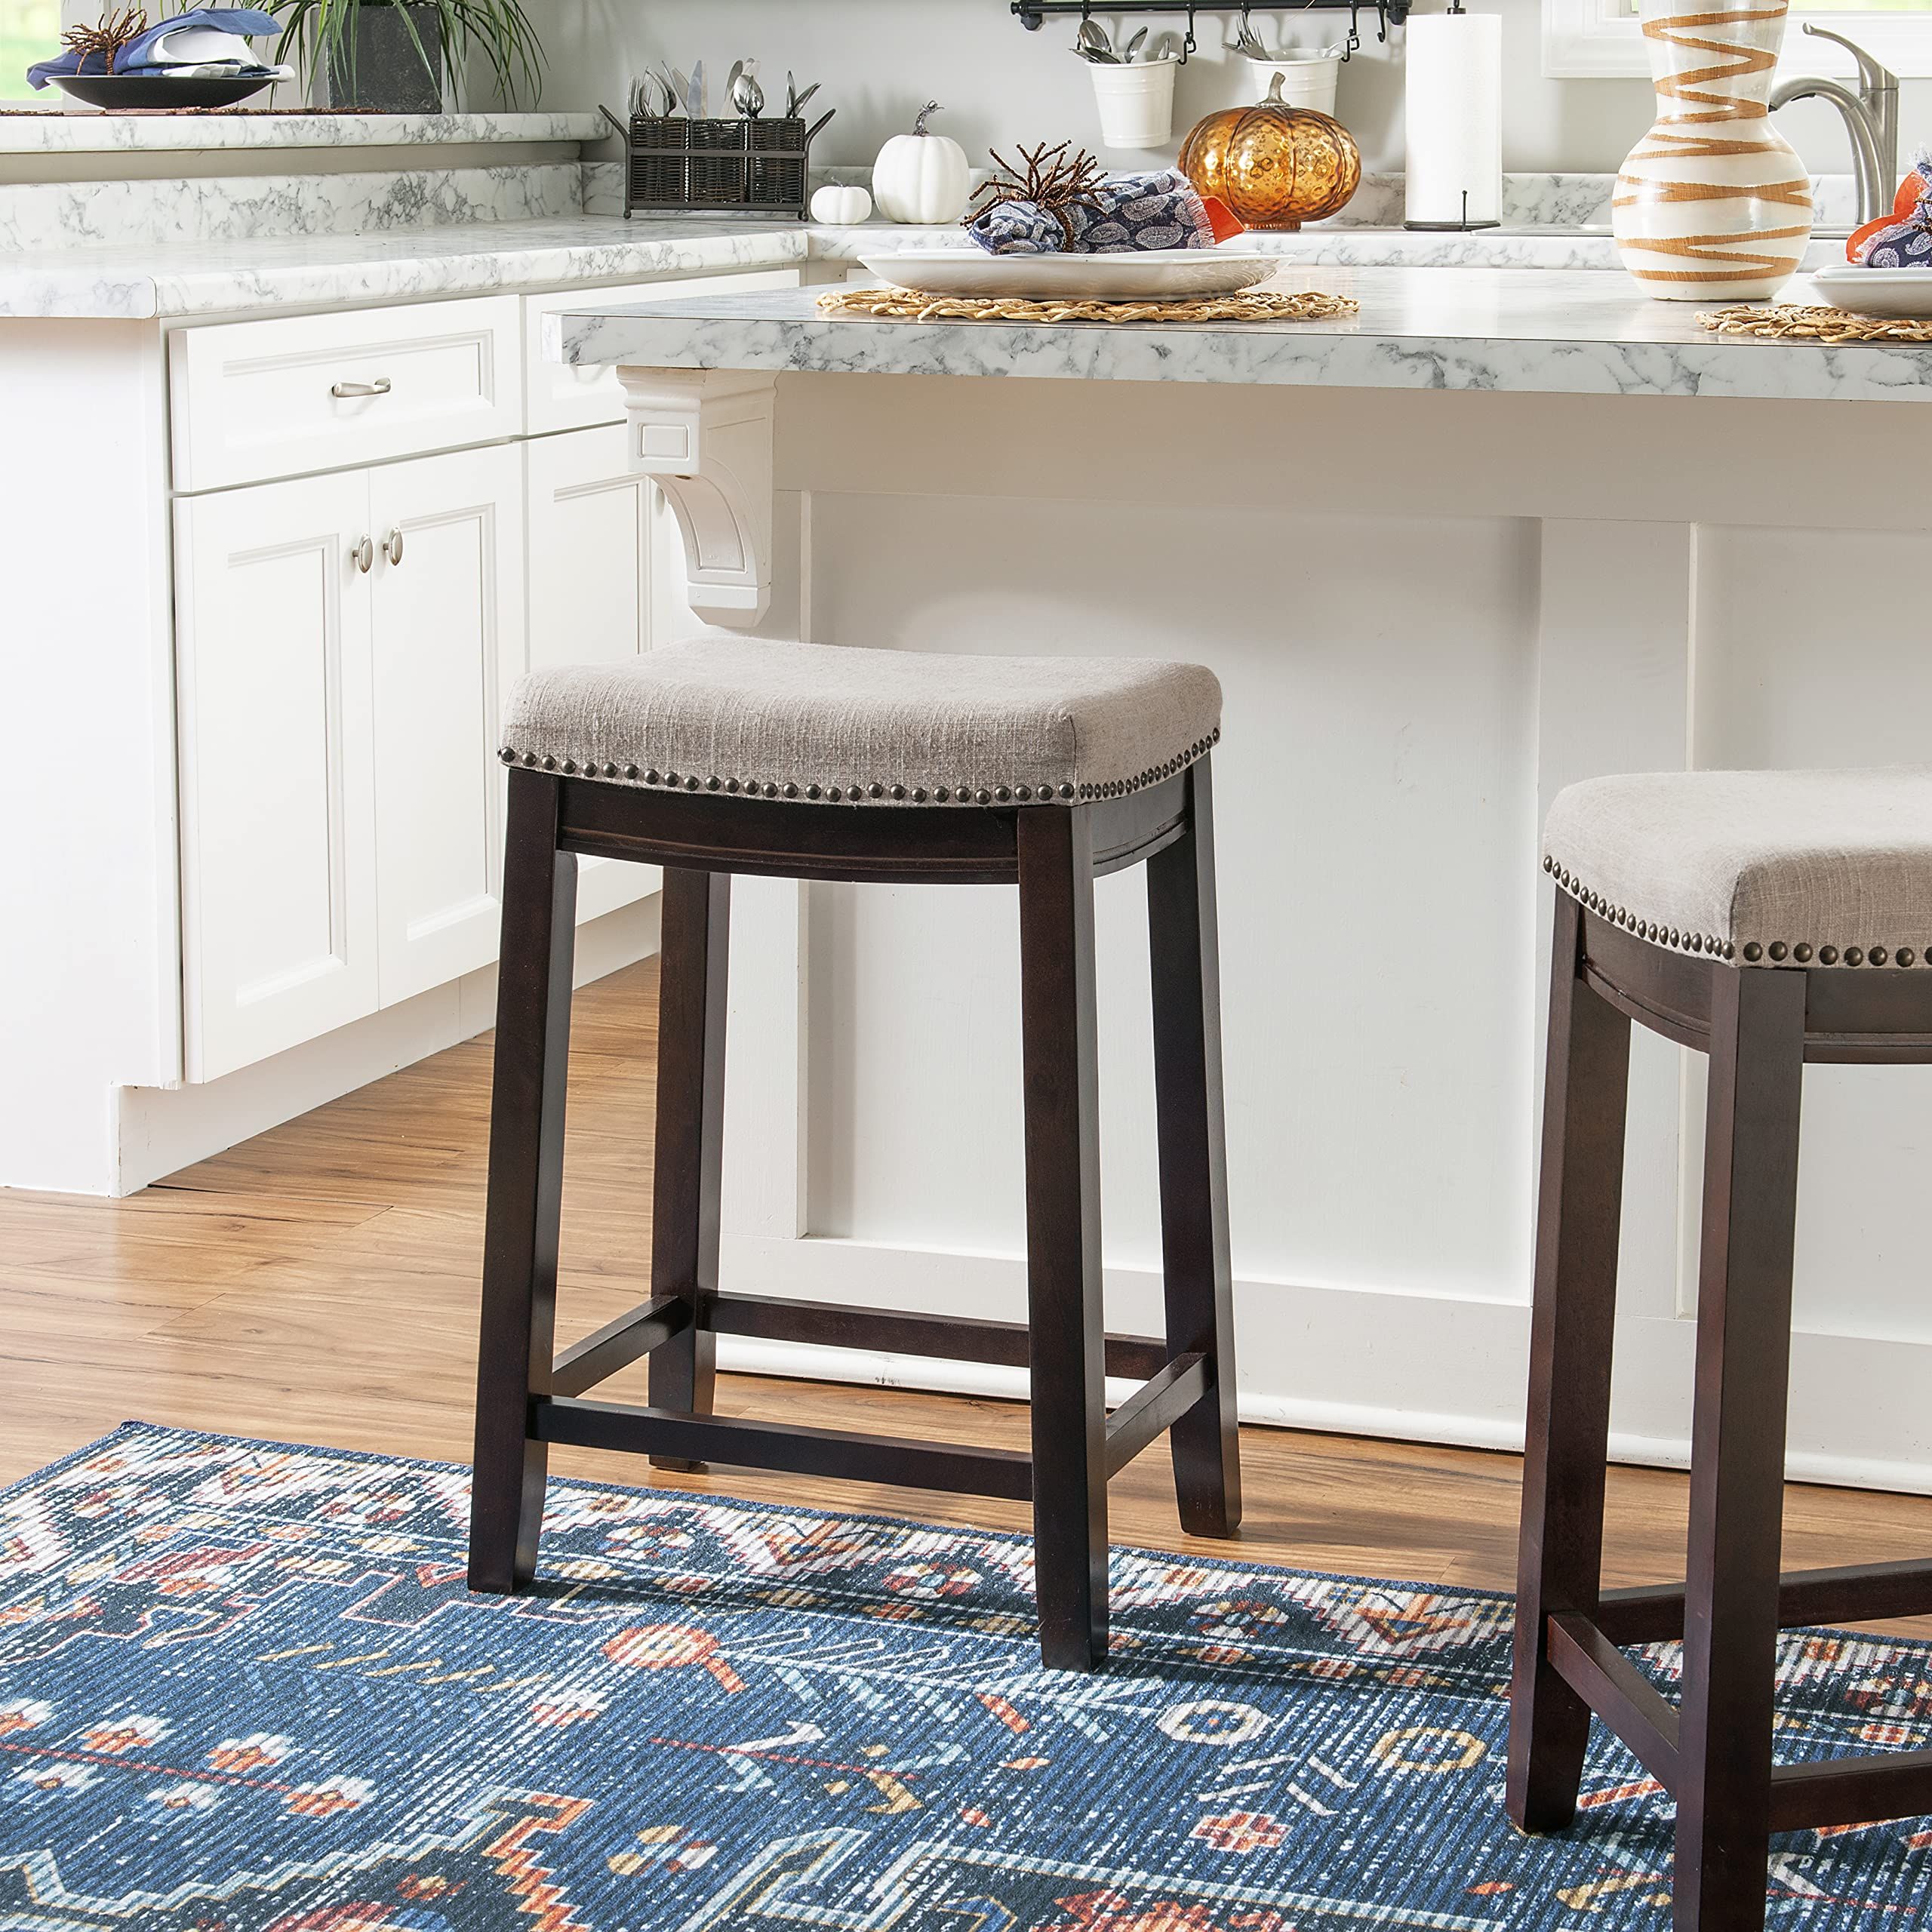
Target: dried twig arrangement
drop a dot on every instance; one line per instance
(1792, 322)
(115, 32)
(1057, 181)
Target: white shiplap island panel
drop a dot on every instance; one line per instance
(1502, 530)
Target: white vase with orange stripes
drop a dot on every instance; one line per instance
(1713, 204)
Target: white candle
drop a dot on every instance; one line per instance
(1454, 116)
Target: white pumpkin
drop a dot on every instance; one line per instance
(922, 176)
(840, 207)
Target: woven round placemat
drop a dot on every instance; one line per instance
(902, 305)
(1789, 322)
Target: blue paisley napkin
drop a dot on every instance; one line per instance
(1121, 212)
(1907, 243)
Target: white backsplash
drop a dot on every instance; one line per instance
(81, 214)
(59, 215)
(1529, 201)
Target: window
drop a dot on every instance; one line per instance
(29, 31)
(1587, 38)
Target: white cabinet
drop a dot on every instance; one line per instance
(278, 782)
(346, 640)
(597, 531)
(274, 398)
(344, 644)
(446, 599)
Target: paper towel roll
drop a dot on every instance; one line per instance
(1453, 117)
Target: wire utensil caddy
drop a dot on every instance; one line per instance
(748, 164)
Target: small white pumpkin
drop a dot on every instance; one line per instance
(840, 207)
(922, 176)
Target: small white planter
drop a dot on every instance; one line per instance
(1308, 80)
(1136, 101)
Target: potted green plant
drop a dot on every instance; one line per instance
(389, 58)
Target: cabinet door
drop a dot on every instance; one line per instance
(278, 840)
(447, 642)
(593, 525)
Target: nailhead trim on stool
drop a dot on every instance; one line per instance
(604, 771)
(1754, 952)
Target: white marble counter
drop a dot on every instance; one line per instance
(1531, 330)
(58, 131)
(213, 278)
(391, 260)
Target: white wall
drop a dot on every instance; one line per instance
(880, 59)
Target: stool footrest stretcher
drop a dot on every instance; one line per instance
(1808, 1796)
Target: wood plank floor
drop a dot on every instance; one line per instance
(319, 1285)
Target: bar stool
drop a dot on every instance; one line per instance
(815, 762)
(1768, 918)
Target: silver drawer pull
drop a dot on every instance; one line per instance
(392, 543)
(365, 554)
(380, 386)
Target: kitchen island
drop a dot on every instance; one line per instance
(1501, 530)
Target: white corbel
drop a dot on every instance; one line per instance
(705, 435)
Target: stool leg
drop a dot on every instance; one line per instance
(521, 1222)
(1197, 1276)
(1737, 1446)
(1056, 996)
(689, 1161)
(1560, 1558)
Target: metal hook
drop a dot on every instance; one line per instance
(1187, 45)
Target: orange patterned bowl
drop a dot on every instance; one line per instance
(1276, 166)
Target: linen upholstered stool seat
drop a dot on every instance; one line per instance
(1768, 918)
(825, 723)
(1829, 867)
(818, 762)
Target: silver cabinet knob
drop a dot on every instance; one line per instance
(365, 554)
(380, 386)
(392, 543)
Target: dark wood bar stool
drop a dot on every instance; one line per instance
(812, 761)
(1767, 918)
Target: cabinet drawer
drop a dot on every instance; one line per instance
(281, 397)
(562, 396)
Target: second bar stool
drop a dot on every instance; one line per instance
(1766, 918)
(816, 761)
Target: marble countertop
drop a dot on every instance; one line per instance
(179, 278)
(59, 132)
(402, 263)
(1529, 330)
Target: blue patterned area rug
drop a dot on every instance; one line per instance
(243, 1689)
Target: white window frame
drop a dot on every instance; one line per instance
(15, 92)
(1597, 40)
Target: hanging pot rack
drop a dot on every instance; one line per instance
(1034, 14)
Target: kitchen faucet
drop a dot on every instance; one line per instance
(1871, 119)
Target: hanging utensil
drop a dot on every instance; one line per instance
(1134, 45)
(1247, 40)
(1091, 43)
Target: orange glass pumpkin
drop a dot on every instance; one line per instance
(1276, 166)
(1203, 153)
